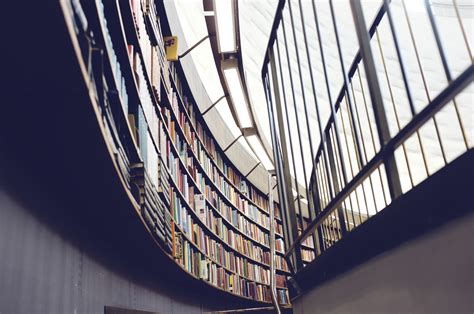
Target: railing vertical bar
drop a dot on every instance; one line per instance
(333, 151)
(412, 36)
(353, 204)
(347, 147)
(271, 209)
(318, 207)
(318, 182)
(376, 96)
(439, 45)
(363, 142)
(461, 24)
(356, 194)
(324, 185)
(345, 136)
(313, 86)
(286, 230)
(447, 72)
(364, 194)
(392, 98)
(366, 110)
(352, 211)
(333, 162)
(339, 164)
(346, 84)
(358, 119)
(326, 77)
(405, 78)
(311, 209)
(327, 179)
(299, 134)
(290, 137)
(352, 215)
(319, 191)
(399, 56)
(291, 214)
(373, 194)
(329, 231)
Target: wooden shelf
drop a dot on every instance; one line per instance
(197, 162)
(135, 41)
(129, 34)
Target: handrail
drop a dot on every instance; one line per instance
(428, 112)
(332, 194)
(272, 248)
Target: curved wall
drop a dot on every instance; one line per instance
(48, 267)
(70, 240)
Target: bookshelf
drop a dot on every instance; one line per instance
(197, 206)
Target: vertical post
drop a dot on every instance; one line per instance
(376, 96)
(285, 171)
(315, 198)
(290, 137)
(337, 186)
(272, 245)
(295, 107)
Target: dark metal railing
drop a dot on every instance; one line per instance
(379, 139)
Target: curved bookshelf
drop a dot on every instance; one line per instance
(189, 147)
(156, 146)
(209, 155)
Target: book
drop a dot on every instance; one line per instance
(204, 269)
(200, 206)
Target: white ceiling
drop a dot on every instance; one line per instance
(256, 18)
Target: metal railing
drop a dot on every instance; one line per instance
(389, 127)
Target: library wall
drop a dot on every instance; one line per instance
(107, 159)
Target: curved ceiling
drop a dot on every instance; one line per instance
(256, 18)
(187, 21)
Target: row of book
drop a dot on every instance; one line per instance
(153, 209)
(210, 150)
(164, 182)
(233, 218)
(194, 231)
(149, 112)
(110, 89)
(308, 242)
(307, 255)
(197, 264)
(205, 162)
(251, 211)
(150, 41)
(249, 225)
(119, 80)
(191, 226)
(307, 245)
(145, 65)
(227, 189)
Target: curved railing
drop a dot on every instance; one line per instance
(377, 143)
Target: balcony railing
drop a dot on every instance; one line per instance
(403, 112)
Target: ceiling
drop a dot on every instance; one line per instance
(256, 18)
